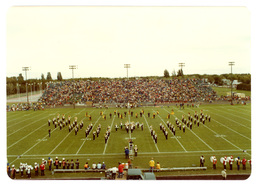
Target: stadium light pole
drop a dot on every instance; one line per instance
(127, 66)
(72, 67)
(231, 64)
(181, 65)
(26, 69)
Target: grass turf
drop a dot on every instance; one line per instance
(228, 133)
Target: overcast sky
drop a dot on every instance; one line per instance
(100, 40)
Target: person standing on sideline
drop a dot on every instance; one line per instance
(151, 164)
(214, 162)
(36, 169)
(42, 167)
(202, 160)
(13, 172)
(50, 163)
(231, 162)
(126, 151)
(120, 170)
(244, 163)
(238, 163)
(77, 164)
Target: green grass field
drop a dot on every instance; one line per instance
(228, 133)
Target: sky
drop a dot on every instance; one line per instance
(100, 40)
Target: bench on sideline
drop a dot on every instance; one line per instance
(143, 170)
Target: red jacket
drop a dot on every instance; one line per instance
(244, 161)
(42, 166)
(121, 168)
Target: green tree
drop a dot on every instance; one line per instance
(49, 76)
(59, 76)
(180, 73)
(166, 73)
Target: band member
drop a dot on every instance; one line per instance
(214, 162)
(42, 167)
(174, 130)
(231, 160)
(166, 135)
(184, 128)
(116, 127)
(63, 163)
(56, 163)
(71, 164)
(21, 169)
(141, 126)
(93, 134)
(68, 164)
(135, 150)
(49, 131)
(225, 162)
(190, 125)
(106, 138)
(77, 164)
(49, 122)
(98, 132)
(202, 160)
(244, 163)
(36, 169)
(69, 118)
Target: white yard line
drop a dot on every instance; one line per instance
(221, 136)
(228, 128)
(24, 137)
(173, 134)
(19, 117)
(111, 154)
(109, 136)
(149, 131)
(27, 125)
(236, 110)
(89, 134)
(232, 120)
(37, 143)
(195, 135)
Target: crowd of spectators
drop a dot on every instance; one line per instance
(123, 91)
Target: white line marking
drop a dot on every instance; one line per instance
(232, 120)
(111, 154)
(173, 134)
(228, 128)
(196, 135)
(27, 126)
(109, 136)
(149, 131)
(37, 143)
(89, 134)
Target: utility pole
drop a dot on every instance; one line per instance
(26, 69)
(231, 64)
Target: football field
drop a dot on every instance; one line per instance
(227, 133)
